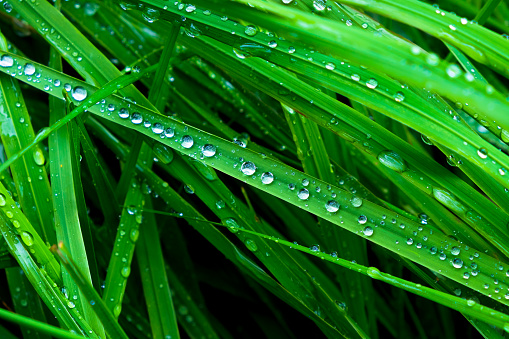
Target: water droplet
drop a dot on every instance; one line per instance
(147, 123)
(79, 93)
(157, 128)
(16, 223)
(291, 50)
(455, 250)
(131, 209)
(123, 113)
(457, 263)
(287, 2)
(368, 231)
(409, 241)
(6, 61)
(232, 225)
(273, 44)
(267, 178)
(399, 97)
(135, 233)
(453, 71)
(38, 157)
(250, 30)
(220, 204)
(362, 219)
(190, 8)
(303, 194)
(332, 206)
(248, 168)
(209, 150)
(187, 141)
(169, 132)
(393, 161)
(423, 218)
(251, 245)
(125, 272)
(372, 83)
(330, 65)
(27, 238)
(355, 77)
(319, 5)
(3, 201)
(136, 118)
(29, 69)
(482, 153)
(305, 182)
(67, 87)
(291, 187)
(356, 201)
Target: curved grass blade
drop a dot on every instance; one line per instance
(111, 326)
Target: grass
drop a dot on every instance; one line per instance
(242, 169)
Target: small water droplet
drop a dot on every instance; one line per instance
(356, 201)
(362, 219)
(251, 245)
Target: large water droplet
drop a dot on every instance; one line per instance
(187, 141)
(267, 178)
(356, 201)
(332, 206)
(79, 93)
(368, 231)
(457, 263)
(29, 69)
(38, 157)
(27, 238)
(250, 30)
(399, 97)
(251, 245)
(372, 83)
(303, 194)
(319, 5)
(455, 250)
(123, 113)
(248, 168)
(209, 150)
(6, 61)
(157, 128)
(169, 132)
(3, 201)
(393, 161)
(362, 219)
(482, 153)
(136, 118)
(125, 272)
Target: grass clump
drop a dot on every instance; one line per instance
(223, 169)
